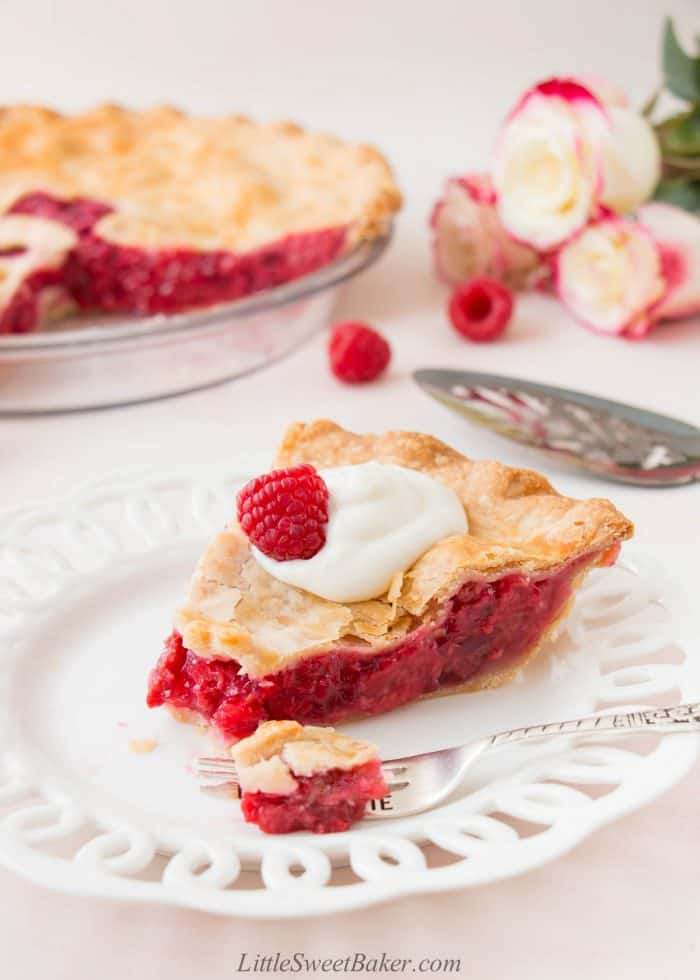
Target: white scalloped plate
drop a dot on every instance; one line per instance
(87, 590)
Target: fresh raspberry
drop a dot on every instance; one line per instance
(285, 512)
(480, 309)
(357, 352)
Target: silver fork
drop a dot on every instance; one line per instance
(419, 782)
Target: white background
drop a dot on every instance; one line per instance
(427, 82)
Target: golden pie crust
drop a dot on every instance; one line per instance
(270, 758)
(517, 523)
(205, 183)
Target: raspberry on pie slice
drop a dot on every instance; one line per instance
(295, 777)
(172, 212)
(472, 609)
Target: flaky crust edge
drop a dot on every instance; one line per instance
(369, 220)
(502, 503)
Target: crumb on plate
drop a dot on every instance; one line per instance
(142, 745)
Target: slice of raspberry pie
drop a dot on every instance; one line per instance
(295, 777)
(425, 573)
(157, 211)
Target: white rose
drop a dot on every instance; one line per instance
(631, 154)
(547, 170)
(610, 277)
(469, 239)
(631, 160)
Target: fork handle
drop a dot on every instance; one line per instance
(680, 718)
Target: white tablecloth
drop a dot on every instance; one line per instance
(427, 82)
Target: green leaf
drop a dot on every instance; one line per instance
(682, 192)
(681, 71)
(680, 135)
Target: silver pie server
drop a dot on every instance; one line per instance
(613, 440)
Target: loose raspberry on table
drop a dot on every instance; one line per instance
(284, 513)
(480, 309)
(357, 352)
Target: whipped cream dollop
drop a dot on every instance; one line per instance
(381, 519)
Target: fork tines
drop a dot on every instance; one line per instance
(215, 767)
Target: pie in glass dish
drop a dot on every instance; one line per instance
(156, 211)
(296, 777)
(434, 574)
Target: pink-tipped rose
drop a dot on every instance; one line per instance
(604, 90)
(678, 235)
(567, 150)
(610, 276)
(470, 241)
(548, 169)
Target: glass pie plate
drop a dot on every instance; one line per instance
(101, 362)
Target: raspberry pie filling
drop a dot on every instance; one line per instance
(33, 254)
(482, 633)
(305, 778)
(438, 574)
(99, 274)
(229, 209)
